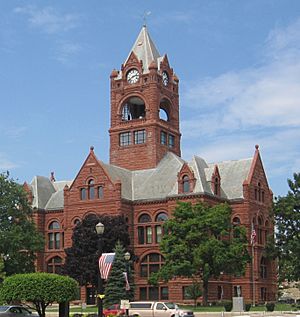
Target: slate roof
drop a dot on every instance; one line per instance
(153, 184)
(46, 194)
(145, 50)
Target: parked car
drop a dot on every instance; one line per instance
(113, 310)
(158, 309)
(286, 300)
(16, 311)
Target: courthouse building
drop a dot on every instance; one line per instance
(145, 178)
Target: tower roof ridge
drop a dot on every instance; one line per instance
(145, 49)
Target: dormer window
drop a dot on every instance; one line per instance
(186, 184)
(217, 187)
(216, 182)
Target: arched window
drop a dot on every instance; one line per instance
(83, 194)
(186, 184)
(151, 263)
(259, 192)
(266, 231)
(54, 236)
(164, 110)
(260, 231)
(236, 222)
(54, 265)
(100, 192)
(76, 222)
(91, 189)
(133, 108)
(144, 218)
(263, 268)
(161, 217)
(144, 229)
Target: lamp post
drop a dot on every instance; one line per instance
(127, 258)
(100, 230)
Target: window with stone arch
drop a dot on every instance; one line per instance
(145, 235)
(151, 263)
(263, 268)
(54, 265)
(266, 231)
(236, 222)
(185, 184)
(164, 109)
(76, 222)
(54, 236)
(159, 219)
(82, 193)
(91, 189)
(260, 231)
(133, 108)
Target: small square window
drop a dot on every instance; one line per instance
(139, 137)
(163, 138)
(171, 140)
(125, 138)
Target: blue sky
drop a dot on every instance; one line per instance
(238, 63)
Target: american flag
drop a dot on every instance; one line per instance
(253, 236)
(105, 263)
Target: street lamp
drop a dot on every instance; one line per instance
(100, 230)
(127, 258)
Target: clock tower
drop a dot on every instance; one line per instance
(144, 108)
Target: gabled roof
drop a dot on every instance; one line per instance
(145, 50)
(233, 174)
(47, 194)
(156, 183)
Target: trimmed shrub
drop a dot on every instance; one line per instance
(228, 305)
(247, 307)
(270, 306)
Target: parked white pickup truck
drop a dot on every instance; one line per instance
(157, 309)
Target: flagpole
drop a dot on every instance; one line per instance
(252, 240)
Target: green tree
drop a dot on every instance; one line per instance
(115, 288)
(201, 244)
(19, 238)
(2, 272)
(82, 258)
(40, 289)
(287, 218)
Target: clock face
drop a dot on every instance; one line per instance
(165, 78)
(133, 76)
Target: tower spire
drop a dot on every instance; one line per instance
(145, 49)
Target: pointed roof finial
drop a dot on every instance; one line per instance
(256, 146)
(145, 15)
(52, 177)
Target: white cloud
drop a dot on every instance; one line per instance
(47, 19)
(66, 50)
(265, 96)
